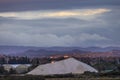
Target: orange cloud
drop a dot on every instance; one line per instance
(55, 14)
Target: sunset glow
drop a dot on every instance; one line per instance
(54, 14)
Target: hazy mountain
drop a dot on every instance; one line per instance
(24, 50)
(43, 52)
(13, 49)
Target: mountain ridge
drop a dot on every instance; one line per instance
(46, 51)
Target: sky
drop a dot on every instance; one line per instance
(48, 23)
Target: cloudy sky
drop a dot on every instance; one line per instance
(48, 23)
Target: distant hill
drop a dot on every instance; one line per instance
(114, 53)
(109, 54)
(43, 52)
(15, 49)
(46, 51)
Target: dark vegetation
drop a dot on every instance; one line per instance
(86, 76)
(11, 75)
(102, 64)
(21, 78)
(107, 67)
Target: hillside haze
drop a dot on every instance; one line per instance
(47, 51)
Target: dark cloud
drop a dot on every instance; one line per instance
(24, 5)
(100, 30)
